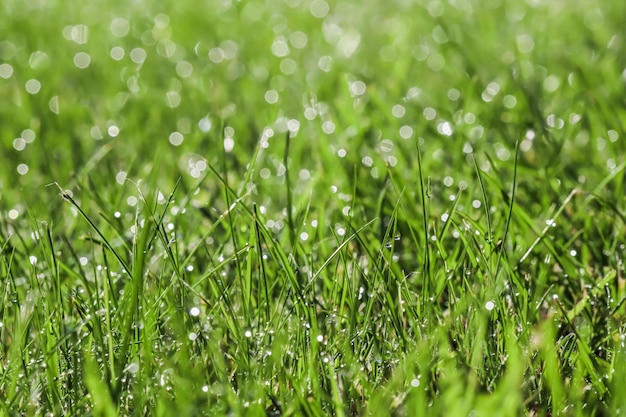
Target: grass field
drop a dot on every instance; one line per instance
(310, 207)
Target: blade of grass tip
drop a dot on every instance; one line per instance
(248, 177)
(485, 201)
(228, 188)
(423, 193)
(279, 255)
(102, 329)
(223, 303)
(512, 203)
(585, 352)
(335, 252)
(262, 274)
(246, 282)
(67, 197)
(62, 331)
(120, 233)
(392, 281)
(157, 220)
(335, 390)
(301, 223)
(443, 253)
(55, 273)
(9, 287)
(448, 224)
(230, 225)
(220, 219)
(55, 336)
(606, 180)
(277, 250)
(387, 243)
(80, 275)
(391, 235)
(355, 179)
(290, 223)
(53, 365)
(103, 404)
(606, 203)
(545, 230)
(58, 333)
(134, 289)
(380, 206)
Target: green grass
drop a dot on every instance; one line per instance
(309, 208)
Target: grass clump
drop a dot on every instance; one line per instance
(309, 208)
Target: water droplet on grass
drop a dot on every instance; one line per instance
(325, 63)
(288, 66)
(119, 27)
(78, 34)
(22, 169)
(229, 144)
(398, 111)
(406, 132)
(6, 70)
(271, 96)
(138, 55)
(82, 60)
(293, 126)
(551, 83)
(204, 124)
(319, 9)
(216, 55)
(172, 99)
(328, 127)
(509, 101)
(386, 145)
(454, 94)
(280, 48)
(429, 113)
(32, 86)
(436, 62)
(113, 131)
(176, 138)
(19, 144)
(310, 113)
(120, 177)
(132, 368)
(357, 88)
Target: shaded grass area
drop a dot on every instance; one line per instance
(306, 208)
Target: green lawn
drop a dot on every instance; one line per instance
(312, 207)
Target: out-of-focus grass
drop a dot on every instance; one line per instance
(306, 208)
